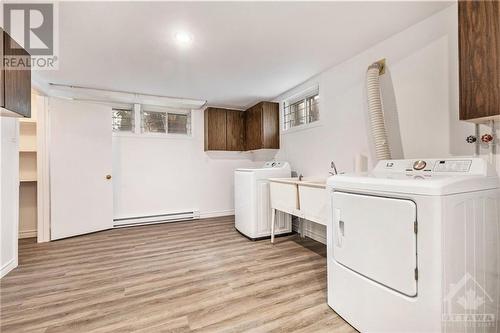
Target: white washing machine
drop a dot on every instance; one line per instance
(413, 246)
(251, 201)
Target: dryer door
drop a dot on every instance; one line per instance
(376, 237)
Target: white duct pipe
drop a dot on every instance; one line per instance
(493, 143)
(477, 147)
(376, 114)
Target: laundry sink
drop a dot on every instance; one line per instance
(284, 195)
(305, 198)
(305, 181)
(313, 200)
(314, 182)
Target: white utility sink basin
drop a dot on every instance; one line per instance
(306, 198)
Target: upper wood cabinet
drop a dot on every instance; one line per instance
(2, 81)
(15, 82)
(224, 129)
(215, 129)
(479, 59)
(262, 126)
(234, 130)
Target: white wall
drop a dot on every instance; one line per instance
(421, 82)
(158, 175)
(9, 195)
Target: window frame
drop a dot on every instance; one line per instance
(141, 129)
(124, 108)
(139, 108)
(303, 96)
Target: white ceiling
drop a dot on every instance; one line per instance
(241, 53)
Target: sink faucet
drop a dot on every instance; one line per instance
(300, 177)
(332, 166)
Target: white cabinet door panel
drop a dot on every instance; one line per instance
(264, 208)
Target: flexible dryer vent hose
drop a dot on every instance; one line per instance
(376, 114)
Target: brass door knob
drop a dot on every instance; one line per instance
(108, 176)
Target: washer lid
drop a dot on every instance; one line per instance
(437, 177)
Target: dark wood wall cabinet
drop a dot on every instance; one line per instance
(15, 78)
(224, 129)
(215, 129)
(234, 130)
(262, 126)
(479, 60)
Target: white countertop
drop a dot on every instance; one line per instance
(310, 182)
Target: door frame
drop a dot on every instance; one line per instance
(43, 171)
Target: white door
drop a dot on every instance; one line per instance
(376, 237)
(81, 196)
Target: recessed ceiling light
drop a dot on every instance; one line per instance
(183, 37)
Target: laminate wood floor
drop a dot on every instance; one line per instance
(197, 276)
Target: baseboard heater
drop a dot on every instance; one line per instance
(153, 219)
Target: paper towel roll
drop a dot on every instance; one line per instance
(360, 163)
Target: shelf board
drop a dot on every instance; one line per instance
(28, 180)
(27, 127)
(25, 150)
(27, 121)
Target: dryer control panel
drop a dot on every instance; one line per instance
(274, 164)
(450, 166)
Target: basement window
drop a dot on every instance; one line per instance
(166, 122)
(154, 122)
(301, 110)
(179, 123)
(123, 120)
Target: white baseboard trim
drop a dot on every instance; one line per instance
(205, 215)
(27, 234)
(8, 267)
(155, 219)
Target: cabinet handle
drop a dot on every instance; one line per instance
(108, 177)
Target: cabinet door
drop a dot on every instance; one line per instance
(215, 129)
(2, 87)
(254, 127)
(17, 82)
(235, 130)
(479, 44)
(270, 125)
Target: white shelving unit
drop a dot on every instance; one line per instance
(28, 173)
(27, 166)
(27, 138)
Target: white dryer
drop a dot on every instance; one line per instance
(413, 246)
(251, 201)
